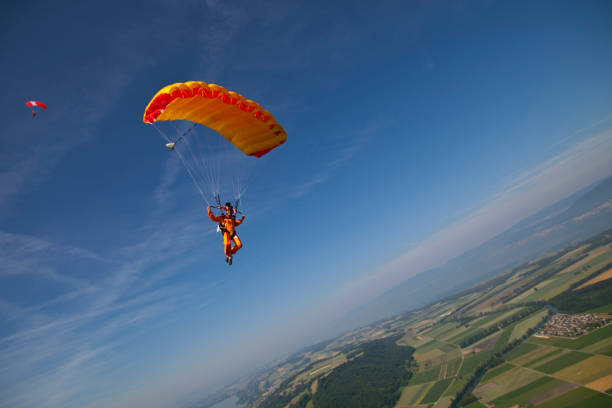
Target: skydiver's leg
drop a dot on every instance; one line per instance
(238, 245)
(227, 244)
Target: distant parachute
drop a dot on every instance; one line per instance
(243, 122)
(34, 105)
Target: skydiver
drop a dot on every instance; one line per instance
(34, 105)
(227, 224)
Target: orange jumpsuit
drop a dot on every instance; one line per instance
(229, 224)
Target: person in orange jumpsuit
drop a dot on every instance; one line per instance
(227, 224)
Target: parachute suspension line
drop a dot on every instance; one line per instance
(196, 170)
(167, 139)
(212, 164)
(185, 133)
(199, 173)
(187, 167)
(162, 134)
(238, 191)
(200, 158)
(192, 177)
(205, 172)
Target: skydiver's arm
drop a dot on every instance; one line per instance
(213, 217)
(238, 222)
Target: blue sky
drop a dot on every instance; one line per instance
(416, 130)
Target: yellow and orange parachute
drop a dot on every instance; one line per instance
(243, 122)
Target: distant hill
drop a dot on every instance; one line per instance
(582, 215)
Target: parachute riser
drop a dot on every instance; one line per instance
(220, 207)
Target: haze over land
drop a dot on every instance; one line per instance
(430, 145)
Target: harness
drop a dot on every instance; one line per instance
(221, 226)
(224, 230)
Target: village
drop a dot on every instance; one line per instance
(572, 325)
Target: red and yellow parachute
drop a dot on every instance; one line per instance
(243, 122)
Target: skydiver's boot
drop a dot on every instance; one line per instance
(229, 261)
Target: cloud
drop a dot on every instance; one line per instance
(353, 142)
(57, 350)
(57, 354)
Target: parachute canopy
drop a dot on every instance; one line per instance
(32, 104)
(243, 122)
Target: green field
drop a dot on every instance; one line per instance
(562, 362)
(587, 370)
(425, 376)
(440, 331)
(556, 285)
(475, 404)
(525, 393)
(436, 391)
(602, 309)
(455, 387)
(520, 350)
(547, 354)
(472, 362)
(412, 394)
(529, 322)
(412, 339)
(452, 367)
(579, 398)
(503, 339)
(496, 371)
(481, 324)
(541, 352)
(601, 347)
(432, 350)
(506, 382)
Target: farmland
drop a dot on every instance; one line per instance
(475, 349)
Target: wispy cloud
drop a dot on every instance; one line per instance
(58, 348)
(354, 142)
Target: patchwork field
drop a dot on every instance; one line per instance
(554, 372)
(412, 395)
(477, 349)
(524, 325)
(587, 371)
(607, 274)
(506, 382)
(547, 372)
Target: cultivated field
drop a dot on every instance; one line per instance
(483, 334)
